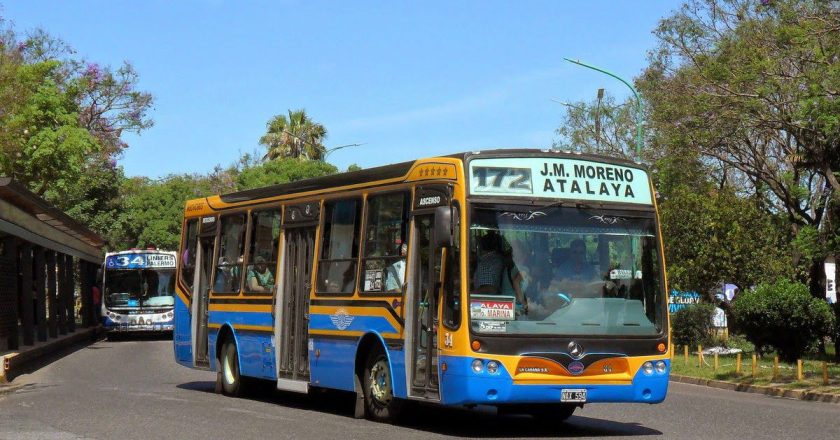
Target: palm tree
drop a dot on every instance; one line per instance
(294, 136)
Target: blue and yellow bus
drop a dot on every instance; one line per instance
(530, 280)
(139, 291)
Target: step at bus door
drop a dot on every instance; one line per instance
(292, 309)
(201, 292)
(424, 309)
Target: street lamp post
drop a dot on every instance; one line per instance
(639, 108)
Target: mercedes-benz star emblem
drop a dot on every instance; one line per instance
(575, 350)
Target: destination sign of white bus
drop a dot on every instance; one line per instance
(559, 178)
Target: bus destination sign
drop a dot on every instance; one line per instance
(559, 178)
(140, 261)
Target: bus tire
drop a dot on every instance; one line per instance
(380, 403)
(228, 375)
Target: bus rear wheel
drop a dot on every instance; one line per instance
(228, 375)
(380, 403)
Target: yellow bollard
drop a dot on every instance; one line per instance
(738, 364)
(717, 364)
(775, 367)
(799, 369)
(754, 365)
(825, 373)
(700, 356)
(685, 349)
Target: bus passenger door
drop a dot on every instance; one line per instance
(424, 341)
(201, 300)
(292, 333)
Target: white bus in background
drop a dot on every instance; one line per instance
(138, 289)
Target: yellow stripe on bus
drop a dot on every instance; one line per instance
(266, 308)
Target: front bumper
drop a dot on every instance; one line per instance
(461, 386)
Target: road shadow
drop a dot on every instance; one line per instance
(139, 336)
(481, 422)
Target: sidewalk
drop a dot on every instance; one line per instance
(760, 389)
(30, 357)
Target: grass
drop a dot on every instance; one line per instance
(812, 372)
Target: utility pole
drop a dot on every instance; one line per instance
(598, 119)
(639, 108)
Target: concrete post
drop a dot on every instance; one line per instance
(52, 299)
(40, 293)
(61, 285)
(71, 294)
(26, 295)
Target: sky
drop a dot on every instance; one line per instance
(404, 79)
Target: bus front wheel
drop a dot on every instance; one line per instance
(228, 375)
(380, 403)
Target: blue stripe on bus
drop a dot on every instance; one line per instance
(334, 367)
(181, 334)
(461, 386)
(376, 324)
(246, 318)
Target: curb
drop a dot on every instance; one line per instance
(9, 389)
(21, 360)
(811, 396)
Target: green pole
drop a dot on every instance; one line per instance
(639, 108)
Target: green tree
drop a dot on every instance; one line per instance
(281, 171)
(752, 87)
(294, 136)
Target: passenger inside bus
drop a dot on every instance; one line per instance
(260, 277)
(488, 271)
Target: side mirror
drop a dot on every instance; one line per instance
(443, 226)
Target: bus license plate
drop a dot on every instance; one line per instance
(573, 396)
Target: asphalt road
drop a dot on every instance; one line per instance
(134, 390)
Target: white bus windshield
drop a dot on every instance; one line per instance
(140, 287)
(565, 271)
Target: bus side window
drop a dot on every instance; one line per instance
(187, 259)
(340, 247)
(386, 243)
(231, 245)
(262, 251)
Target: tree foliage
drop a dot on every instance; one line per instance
(783, 316)
(692, 325)
(294, 136)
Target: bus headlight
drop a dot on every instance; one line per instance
(478, 365)
(647, 367)
(492, 367)
(661, 367)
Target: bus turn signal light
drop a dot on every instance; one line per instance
(476, 345)
(661, 347)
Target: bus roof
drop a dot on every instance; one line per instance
(395, 171)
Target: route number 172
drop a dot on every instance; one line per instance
(501, 179)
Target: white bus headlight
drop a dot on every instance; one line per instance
(478, 365)
(647, 367)
(661, 367)
(492, 367)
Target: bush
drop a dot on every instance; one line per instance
(783, 316)
(740, 342)
(693, 325)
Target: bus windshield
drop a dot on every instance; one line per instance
(565, 271)
(140, 288)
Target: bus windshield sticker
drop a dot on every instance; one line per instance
(554, 178)
(492, 307)
(621, 274)
(373, 280)
(492, 326)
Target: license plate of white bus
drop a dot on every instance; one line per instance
(573, 396)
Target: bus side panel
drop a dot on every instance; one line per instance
(334, 367)
(182, 334)
(332, 363)
(252, 332)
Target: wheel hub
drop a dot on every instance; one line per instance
(380, 382)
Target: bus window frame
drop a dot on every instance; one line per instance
(247, 251)
(408, 194)
(217, 250)
(360, 212)
(184, 246)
